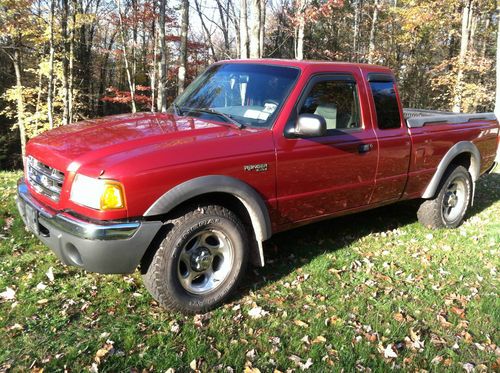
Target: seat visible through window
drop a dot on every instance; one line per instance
(336, 101)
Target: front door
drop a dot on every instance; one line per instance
(323, 175)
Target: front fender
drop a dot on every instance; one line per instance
(253, 202)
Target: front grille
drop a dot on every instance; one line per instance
(45, 179)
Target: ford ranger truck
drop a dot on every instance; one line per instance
(251, 148)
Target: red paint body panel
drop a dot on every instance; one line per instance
(306, 180)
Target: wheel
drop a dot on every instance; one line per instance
(448, 208)
(200, 260)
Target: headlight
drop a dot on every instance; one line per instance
(97, 194)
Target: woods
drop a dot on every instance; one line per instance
(67, 60)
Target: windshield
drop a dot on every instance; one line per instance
(245, 94)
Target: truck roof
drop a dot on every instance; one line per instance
(304, 64)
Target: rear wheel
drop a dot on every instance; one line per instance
(448, 208)
(200, 260)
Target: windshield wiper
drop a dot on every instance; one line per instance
(227, 117)
(177, 109)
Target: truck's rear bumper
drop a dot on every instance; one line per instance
(97, 247)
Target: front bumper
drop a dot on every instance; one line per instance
(96, 247)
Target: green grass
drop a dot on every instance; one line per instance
(359, 283)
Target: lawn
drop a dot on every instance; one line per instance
(371, 291)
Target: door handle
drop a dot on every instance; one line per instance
(363, 148)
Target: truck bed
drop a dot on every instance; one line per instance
(419, 118)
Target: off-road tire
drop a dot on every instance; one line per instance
(161, 277)
(431, 212)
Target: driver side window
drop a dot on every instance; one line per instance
(336, 101)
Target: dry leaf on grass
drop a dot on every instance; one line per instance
(300, 323)
(8, 294)
(257, 313)
(50, 274)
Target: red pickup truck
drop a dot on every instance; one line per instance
(251, 148)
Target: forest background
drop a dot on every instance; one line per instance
(63, 61)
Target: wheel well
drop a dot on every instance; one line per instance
(463, 153)
(463, 159)
(214, 198)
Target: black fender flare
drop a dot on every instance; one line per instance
(456, 150)
(248, 196)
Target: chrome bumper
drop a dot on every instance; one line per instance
(71, 225)
(104, 247)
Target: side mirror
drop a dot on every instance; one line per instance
(310, 125)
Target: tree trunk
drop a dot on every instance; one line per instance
(184, 50)
(134, 44)
(103, 74)
(497, 96)
(130, 78)
(243, 29)
(65, 60)
(255, 29)
(355, 31)
(234, 18)
(152, 72)
(262, 27)
(162, 71)
(50, 106)
(205, 29)
(464, 45)
(71, 62)
(38, 97)
(299, 31)
(224, 28)
(20, 101)
(371, 48)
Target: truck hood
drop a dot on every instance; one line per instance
(69, 147)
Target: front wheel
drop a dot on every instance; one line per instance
(200, 260)
(448, 208)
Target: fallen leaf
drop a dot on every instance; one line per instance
(50, 274)
(319, 339)
(307, 364)
(458, 311)
(389, 353)
(468, 337)
(193, 364)
(16, 326)
(257, 313)
(442, 320)
(101, 353)
(251, 354)
(306, 340)
(8, 294)
(174, 327)
(249, 369)
(469, 367)
(300, 323)
(437, 360)
(399, 317)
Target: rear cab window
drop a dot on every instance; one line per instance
(383, 91)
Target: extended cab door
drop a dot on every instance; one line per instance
(393, 138)
(323, 175)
